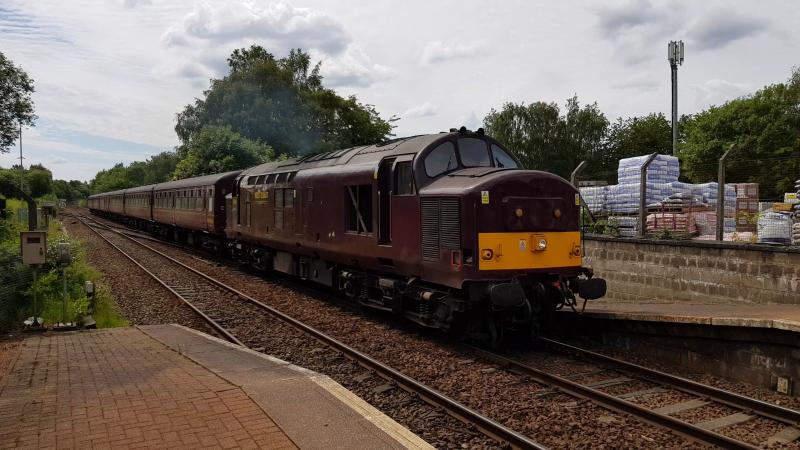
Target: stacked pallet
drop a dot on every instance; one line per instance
(796, 215)
(746, 206)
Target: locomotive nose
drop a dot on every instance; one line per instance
(530, 221)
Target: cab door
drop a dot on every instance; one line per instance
(385, 171)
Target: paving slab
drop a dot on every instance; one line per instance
(314, 410)
(149, 388)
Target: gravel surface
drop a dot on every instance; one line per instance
(139, 298)
(506, 397)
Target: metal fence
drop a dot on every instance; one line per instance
(651, 197)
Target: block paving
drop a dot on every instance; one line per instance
(122, 389)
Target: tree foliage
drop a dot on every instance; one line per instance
(16, 106)
(766, 130)
(156, 169)
(281, 102)
(629, 137)
(217, 149)
(543, 138)
(39, 180)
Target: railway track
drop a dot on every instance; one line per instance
(746, 406)
(204, 294)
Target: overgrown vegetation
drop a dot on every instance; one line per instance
(16, 294)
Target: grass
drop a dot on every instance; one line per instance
(49, 286)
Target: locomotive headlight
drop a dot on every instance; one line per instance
(487, 254)
(557, 213)
(519, 212)
(541, 244)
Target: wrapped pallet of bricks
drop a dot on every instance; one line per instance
(796, 217)
(746, 207)
(676, 223)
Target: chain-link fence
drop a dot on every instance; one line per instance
(654, 196)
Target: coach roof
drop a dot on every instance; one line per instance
(205, 180)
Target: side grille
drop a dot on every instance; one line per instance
(430, 229)
(449, 224)
(441, 226)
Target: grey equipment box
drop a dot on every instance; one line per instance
(33, 247)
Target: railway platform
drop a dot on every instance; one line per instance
(783, 317)
(169, 386)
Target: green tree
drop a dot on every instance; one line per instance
(39, 180)
(629, 137)
(544, 139)
(281, 102)
(766, 130)
(16, 106)
(110, 179)
(218, 149)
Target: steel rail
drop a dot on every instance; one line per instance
(461, 412)
(764, 409)
(610, 402)
(217, 327)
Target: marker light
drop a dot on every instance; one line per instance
(557, 213)
(541, 244)
(487, 254)
(519, 212)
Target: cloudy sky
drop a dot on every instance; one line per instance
(111, 74)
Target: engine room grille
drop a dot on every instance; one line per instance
(441, 226)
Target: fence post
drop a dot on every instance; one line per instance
(643, 195)
(721, 194)
(574, 177)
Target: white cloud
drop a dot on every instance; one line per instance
(438, 51)
(426, 109)
(718, 91)
(278, 23)
(353, 68)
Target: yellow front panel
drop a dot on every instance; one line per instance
(515, 251)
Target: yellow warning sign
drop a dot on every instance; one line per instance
(577, 199)
(484, 197)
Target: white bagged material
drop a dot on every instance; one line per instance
(595, 198)
(663, 169)
(775, 228)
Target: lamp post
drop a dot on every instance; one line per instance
(675, 57)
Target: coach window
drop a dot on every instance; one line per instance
(474, 152)
(261, 179)
(441, 159)
(252, 180)
(270, 178)
(288, 201)
(403, 179)
(502, 159)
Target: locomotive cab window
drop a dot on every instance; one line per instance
(441, 159)
(403, 179)
(474, 152)
(502, 159)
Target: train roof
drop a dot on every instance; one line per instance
(353, 155)
(204, 180)
(106, 194)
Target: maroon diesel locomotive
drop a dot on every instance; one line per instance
(445, 229)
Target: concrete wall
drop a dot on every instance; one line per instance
(698, 272)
